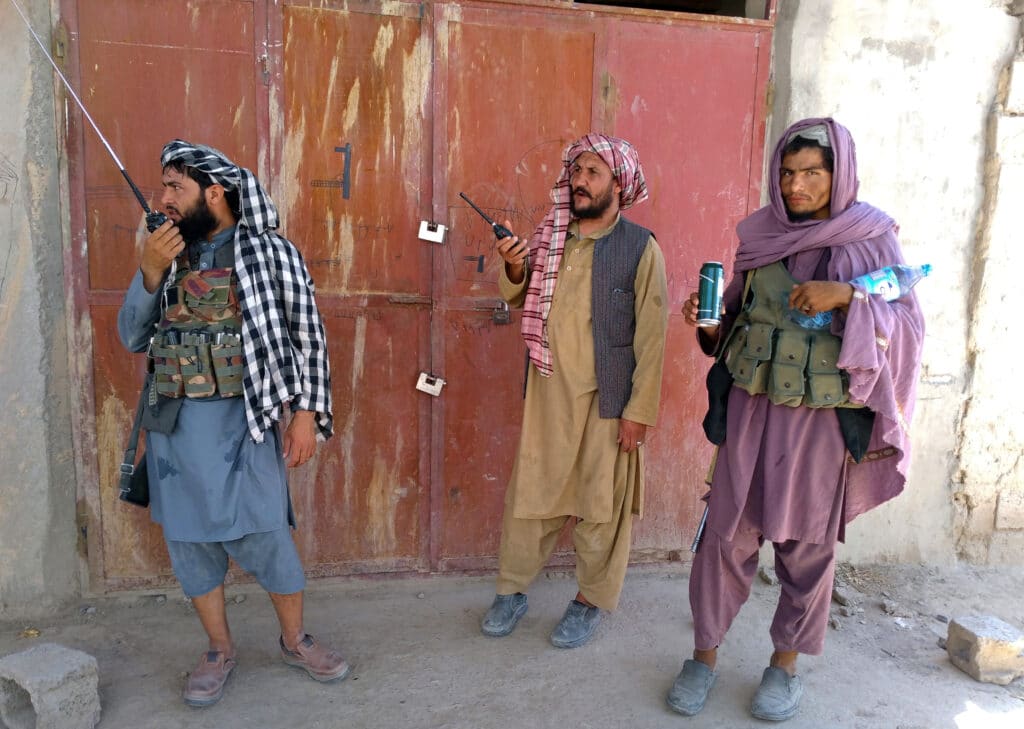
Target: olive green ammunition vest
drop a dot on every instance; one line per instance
(769, 354)
(197, 350)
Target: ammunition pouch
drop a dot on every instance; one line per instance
(793, 368)
(197, 367)
(768, 354)
(197, 352)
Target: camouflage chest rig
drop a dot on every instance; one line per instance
(197, 349)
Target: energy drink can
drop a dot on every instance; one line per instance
(710, 292)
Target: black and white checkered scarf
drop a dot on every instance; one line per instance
(283, 339)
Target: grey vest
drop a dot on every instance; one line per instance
(616, 257)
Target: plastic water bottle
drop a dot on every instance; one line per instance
(890, 282)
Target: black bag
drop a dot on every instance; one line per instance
(856, 425)
(133, 485)
(719, 382)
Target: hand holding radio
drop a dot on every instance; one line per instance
(514, 251)
(158, 253)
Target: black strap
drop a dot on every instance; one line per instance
(128, 464)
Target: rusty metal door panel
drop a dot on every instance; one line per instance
(500, 141)
(359, 502)
(501, 147)
(353, 149)
(700, 131)
(350, 89)
(483, 406)
(149, 80)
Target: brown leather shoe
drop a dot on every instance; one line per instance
(319, 661)
(205, 684)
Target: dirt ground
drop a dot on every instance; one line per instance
(420, 661)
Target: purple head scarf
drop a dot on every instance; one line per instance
(769, 235)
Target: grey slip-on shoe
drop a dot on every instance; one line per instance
(691, 688)
(778, 696)
(503, 615)
(577, 625)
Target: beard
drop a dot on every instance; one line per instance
(800, 217)
(197, 222)
(597, 208)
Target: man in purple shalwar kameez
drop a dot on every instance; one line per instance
(802, 455)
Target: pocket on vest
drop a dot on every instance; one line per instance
(826, 384)
(788, 360)
(167, 370)
(622, 324)
(752, 350)
(227, 367)
(196, 370)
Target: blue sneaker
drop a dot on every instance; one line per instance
(503, 615)
(690, 691)
(778, 696)
(577, 625)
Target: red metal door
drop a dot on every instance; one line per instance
(364, 119)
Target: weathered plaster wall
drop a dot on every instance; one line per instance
(38, 562)
(917, 83)
(990, 480)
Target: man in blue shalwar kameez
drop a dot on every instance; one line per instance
(225, 308)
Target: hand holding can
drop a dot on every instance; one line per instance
(710, 293)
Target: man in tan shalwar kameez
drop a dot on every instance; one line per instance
(596, 344)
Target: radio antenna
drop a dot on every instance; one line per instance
(153, 219)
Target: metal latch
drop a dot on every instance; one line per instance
(429, 384)
(431, 231)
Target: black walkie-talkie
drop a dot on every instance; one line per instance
(500, 231)
(154, 219)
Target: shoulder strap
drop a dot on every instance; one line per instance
(743, 300)
(128, 464)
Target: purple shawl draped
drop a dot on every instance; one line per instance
(882, 341)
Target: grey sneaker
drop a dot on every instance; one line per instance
(576, 627)
(691, 688)
(505, 612)
(778, 696)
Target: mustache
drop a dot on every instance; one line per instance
(581, 191)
